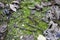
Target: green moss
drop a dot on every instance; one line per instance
(20, 17)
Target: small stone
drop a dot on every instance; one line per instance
(15, 2)
(49, 3)
(3, 28)
(21, 37)
(12, 7)
(44, 3)
(28, 37)
(38, 7)
(22, 24)
(13, 39)
(41, 37)
(1, 5)
(57, 1)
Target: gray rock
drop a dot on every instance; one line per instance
(57, 1)
(1, 5)
(28, 37)
(51, 31)
(38, 7)
(48, 16)
(52, 14)
(3, 28)
(45, 4)
(58, 12)
(3, 31)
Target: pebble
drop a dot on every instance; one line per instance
(57, 1)
(1, 5)
(41, 37)
(28, 37)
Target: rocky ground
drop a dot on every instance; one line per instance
(31, 19)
